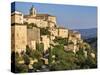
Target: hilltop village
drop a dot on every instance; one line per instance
(34, 29)
(27, 31)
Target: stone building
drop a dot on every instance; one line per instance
(74, 37)
(18, 32)
(77, 35)
(41, 20)
(33, 37)
(62, 32)
(18, 37)
(54, 31)
(16, 17)
(39, 23)
(46, 41)
(22, 34)
(47, 17)
(71, 47)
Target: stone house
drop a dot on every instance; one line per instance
(62, 32)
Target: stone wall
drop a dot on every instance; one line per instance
(19, 38)
(46, 41)
(33, 36)
(41, 23)
(54, 31)
(63, 33)
(17, 17)
(12, 38)
(52, 19)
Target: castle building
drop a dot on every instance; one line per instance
(62, 32)
(41, 20)
(25, 30)
(18, 32)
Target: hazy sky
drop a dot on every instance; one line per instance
(69, 16)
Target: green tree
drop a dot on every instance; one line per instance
(44, 31)
(31, 25)
(28, 51)
(40, 47)
(80, 58)
(35, 54)
(16, 67)
(60, 40)
(21, 68)
(63, 60)
(91, 62)
(38, 65)
(26, 59)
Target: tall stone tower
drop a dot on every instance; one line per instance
(17, 17)
(18, 33)
(18, 37)
(33, 11)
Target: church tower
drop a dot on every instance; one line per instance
(33, 11)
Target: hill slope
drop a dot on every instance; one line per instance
(88, 33)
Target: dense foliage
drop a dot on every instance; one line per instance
(58, 58)
(44, 31)
(61, 40)
(69, 60)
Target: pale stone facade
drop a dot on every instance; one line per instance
(51, 24)
(71, 47)
(39, 23)
(29, 20)
(74, 34)
(17, 17)
(19, 38)
(62, 32)
(32, 44)
(46, 41)
(77, 35)
(33, 37)
(52, 19)
(54, 31)
(47, 17)
(41, 20)
(33, 34)
(73, 39)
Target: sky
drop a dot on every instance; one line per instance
(68, 16)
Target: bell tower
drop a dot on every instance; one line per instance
(33, 11)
